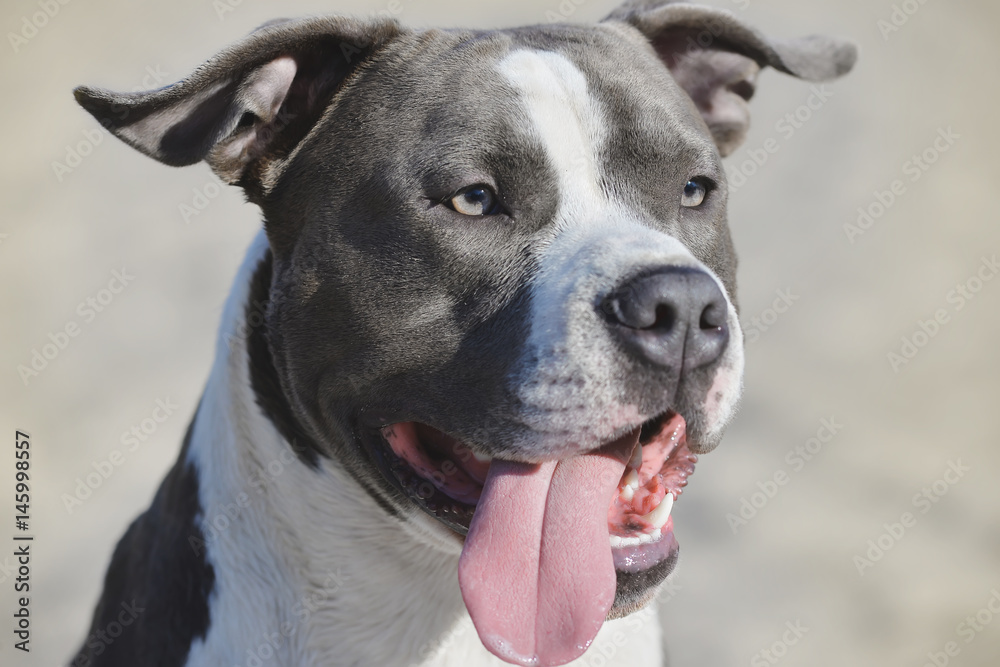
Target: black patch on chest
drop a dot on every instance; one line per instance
(155, 600)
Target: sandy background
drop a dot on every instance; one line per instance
(825, 358)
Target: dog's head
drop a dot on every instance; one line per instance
(501, 286)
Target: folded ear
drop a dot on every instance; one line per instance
(715, 58)
(247, 107)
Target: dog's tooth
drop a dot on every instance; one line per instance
(615, 541)
(656, 534)
(482, 458)
(636, 460)
(631, 478)
(659, 515)
(645, 538)
(626, 493)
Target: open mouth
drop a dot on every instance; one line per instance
(446, 478)
(551, 549)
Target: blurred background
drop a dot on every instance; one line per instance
(856, 497)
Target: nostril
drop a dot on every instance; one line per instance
(666, 317)
(712, 317)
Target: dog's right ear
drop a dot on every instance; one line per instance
(715, 57)
(246, 108)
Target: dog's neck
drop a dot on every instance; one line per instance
(306, 563)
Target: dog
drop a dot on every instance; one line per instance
(469, 362)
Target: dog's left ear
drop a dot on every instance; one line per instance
(246, 108)
(715, 58)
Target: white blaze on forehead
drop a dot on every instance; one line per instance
(566, 119)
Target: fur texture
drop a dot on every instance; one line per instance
(287, 534)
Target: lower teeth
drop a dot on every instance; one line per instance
(657, 517)
(643, 538)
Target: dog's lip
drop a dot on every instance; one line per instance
(457, 514)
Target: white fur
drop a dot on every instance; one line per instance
(309, 570)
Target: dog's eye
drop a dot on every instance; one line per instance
(475, 200)
(694, 194)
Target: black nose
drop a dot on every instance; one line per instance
(674, 317)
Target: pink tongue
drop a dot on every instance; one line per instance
(536, 571)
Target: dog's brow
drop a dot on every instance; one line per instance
(568, 121)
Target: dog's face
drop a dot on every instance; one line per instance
(501, 289)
